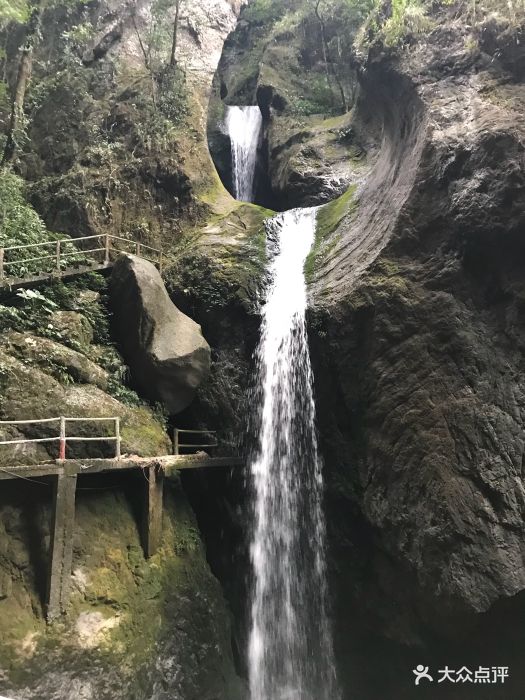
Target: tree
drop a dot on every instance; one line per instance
(13, 11)
(24, 70)
(157, 42)
(158, 35)
(175, 32)
(339, 21)
(329, 65)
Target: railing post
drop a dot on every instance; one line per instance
(160, 262)
(152, 519)
(1, 264)
(118, 438)
(106, 257)
(62, 440)
(58, 256)
(176, 441)
(137, 249)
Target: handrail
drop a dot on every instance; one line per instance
(62, 438)
(59, 255)
(60, 240)
(177, 444)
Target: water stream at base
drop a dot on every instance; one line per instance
(244, 129)
(290, 648)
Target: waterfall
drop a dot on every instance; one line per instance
(290, 649)
(244, 129)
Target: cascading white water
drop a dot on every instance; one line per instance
(290, 648)
(244, 129)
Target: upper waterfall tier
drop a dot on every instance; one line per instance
(244, 126)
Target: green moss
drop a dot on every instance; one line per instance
(143, 435)
(328, 219)
(147, 603)
(223, 263)
(337, 122)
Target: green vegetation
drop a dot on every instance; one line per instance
(33, 311)
(13, 11)
(316, 102)
(406, 19)
(291, 33)
(21, 225)
(173, 95)
(394, 25)
(168, 79)
(268, 12)
(409, 18)
(328, 219)
(510, 11)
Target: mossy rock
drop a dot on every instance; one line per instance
(142, 433)
(132, 622)
(225, 262)
(329, 218)
(59, 360)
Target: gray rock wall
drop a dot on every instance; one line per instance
(165, 349)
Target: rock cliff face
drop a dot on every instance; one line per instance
(416, 328)
(276, 59)
(417, 334)
(136, 628)
(126, 152)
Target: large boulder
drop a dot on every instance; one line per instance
(165, 349)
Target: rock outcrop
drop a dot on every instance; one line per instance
(165, 349)
(126, 152)
(417, 332)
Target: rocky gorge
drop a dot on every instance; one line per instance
(404, 121)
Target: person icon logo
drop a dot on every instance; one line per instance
(421, 672)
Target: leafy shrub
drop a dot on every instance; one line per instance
(21, 225)
(408, 18)
(319, 100)
(13, 11)
(265, 12)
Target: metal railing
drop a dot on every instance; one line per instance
(177, 444)
(62, 438)
(61, 251)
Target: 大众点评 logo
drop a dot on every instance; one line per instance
(483, 674)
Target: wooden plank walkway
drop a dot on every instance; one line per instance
(63, 474)
(39, 265)
(74, 467)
